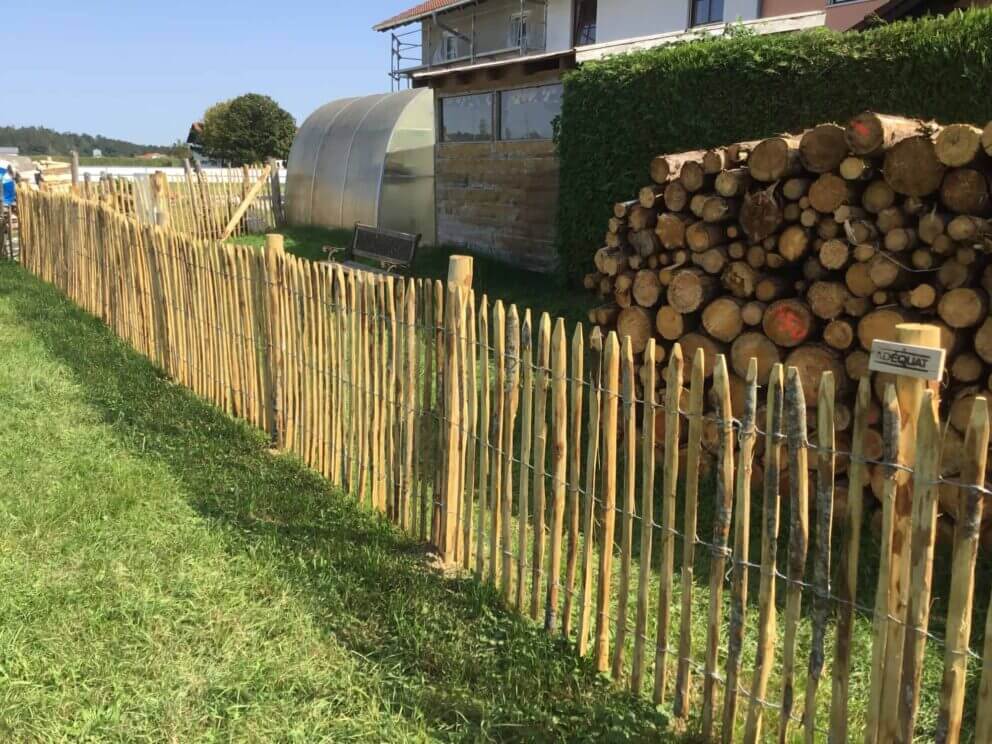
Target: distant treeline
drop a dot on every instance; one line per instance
(44, 141)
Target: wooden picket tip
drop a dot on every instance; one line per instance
(543, 380)
(526, 443)
(588, 504)
(577, 384)
(611, 394)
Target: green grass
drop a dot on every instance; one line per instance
(540, 292)
(166, 578)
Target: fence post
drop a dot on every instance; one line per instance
(459, 281)
(909, 393)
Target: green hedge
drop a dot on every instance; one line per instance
(619, 113)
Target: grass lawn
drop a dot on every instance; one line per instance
(167, 579)
(540, 292)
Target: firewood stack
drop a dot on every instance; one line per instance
(802, 249)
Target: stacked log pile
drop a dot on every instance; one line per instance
(804, 248)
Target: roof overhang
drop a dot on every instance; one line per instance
(420, 12)
(773, 25)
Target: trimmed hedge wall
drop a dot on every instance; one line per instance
(619, 113)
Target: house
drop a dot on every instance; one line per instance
(495, 69)
(894, 10)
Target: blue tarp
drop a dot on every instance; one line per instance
(7, 191)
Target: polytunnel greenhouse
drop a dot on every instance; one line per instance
(368, 160)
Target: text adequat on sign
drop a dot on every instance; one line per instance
(904, 359)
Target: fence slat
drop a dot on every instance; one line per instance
(526, 442)
(742, 551)
(471, 431)
(647, 517)
(924, 524)
(629, 418)
(496, 437)
(484, 437)
(666, 586)
(825, 471)
(769, 542)
(847, 575)
(511, 398)
(723, 512)
(683, 679)
(611, 391)
(795, 415)
(883, 596)
(976, 444)
(559, 444)
(589, 501)
(577, 385)
(540, 450)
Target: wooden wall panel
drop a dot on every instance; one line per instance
(499, 198)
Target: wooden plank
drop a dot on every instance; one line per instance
(540, 451)
(883, 600)
(741, 552)
(511, 398)
(723, 513)
(765, 655)
(825, 472)
(559, 444)
(589, 501)
(795, 416)
(683, 678)
(847, 575)
(611, 392)
(924, 526)
(959, 609)
(629, 419)
(647, 517)
(673, 423)
(577, 384)
(526, 441)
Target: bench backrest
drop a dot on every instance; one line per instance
(385, 246)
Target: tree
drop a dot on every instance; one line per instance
(247, 129)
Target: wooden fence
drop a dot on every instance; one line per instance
(520, 449)
(206, 204)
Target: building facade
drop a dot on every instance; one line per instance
(495, 69)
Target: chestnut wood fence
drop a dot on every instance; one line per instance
(628, 523)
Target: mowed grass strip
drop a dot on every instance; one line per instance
(166, 579)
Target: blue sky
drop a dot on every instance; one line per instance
(142, 70)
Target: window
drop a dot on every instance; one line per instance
(449, 46)
(529, 113)
(518, 30)
(706, 11)
(467, 118)
(585, 22)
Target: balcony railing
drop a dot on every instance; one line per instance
(480, 36)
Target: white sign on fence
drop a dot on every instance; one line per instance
(904, 359)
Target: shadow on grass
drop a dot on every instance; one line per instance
(453, 658)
